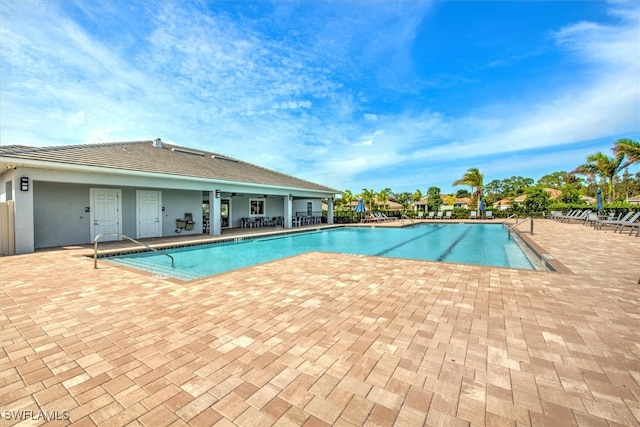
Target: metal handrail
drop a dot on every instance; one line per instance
(95, 247)
(511, 216)
(403, 217)
(521, 222)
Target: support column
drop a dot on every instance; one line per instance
(288, 210)
(330, 210)
(215, 221)
(24, 228)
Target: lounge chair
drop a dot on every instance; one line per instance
(432, 215)
(591, 218)
(569, 215)
(439, 215)
(448, 215)
(580, 216)
(381, 217)
(420, 215)
(367, 217)
(473, 215)
(628, 223)
(489, 215)
(602, 222)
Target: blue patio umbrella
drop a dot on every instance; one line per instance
(598, 200)
(360, 208)
(481, 207)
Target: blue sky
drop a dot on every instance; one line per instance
(350, 94)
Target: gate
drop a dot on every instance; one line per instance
(7, 228)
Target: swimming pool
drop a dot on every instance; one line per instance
(483, 244)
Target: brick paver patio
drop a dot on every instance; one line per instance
(324, 339)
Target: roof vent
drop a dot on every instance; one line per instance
(157, 143)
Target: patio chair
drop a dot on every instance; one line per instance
(448, 215)
(489, 214)
(439, 215)
(473, 215)
(432, 215)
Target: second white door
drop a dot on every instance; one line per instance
(149, 214)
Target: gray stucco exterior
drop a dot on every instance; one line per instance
(60, 207)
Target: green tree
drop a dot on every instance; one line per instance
(368, 197)
(629, 149)
(604, 166)
(537, 199)
(434, 201)
(552, 180)
(473, 178)
(493, 191)
(417, 195)
(570, 195)
(404, 199)
(383, 197)
(347, 198)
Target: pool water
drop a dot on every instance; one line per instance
(483, 244)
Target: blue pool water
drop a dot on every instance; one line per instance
(484, 244)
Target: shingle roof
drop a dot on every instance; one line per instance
(171, 159)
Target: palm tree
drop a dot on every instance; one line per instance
(347, 198)
(472, 178)
(628, 148)
(604, 166)
(383, 197)
(368, 197)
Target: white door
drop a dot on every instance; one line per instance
(149, 214)
(105, 206)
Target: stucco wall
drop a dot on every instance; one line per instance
(59, 215)
(240, 207)
(176, 204)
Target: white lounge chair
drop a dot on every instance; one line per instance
(473, 215)
(489, 214)
(439, 215)
(448, 215)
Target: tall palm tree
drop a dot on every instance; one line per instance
(628, 148)
(347, 198)
(383, 197)
(473, 178)
(604, 166)
(368, 197)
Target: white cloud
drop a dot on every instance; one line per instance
(285, 100)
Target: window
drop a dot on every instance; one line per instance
(256, 207)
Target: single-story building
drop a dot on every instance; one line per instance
(65, 195)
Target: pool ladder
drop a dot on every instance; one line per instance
(95, 247)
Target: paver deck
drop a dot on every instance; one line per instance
(327, 339)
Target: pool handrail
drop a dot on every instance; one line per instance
(521, 222)
(95, 247)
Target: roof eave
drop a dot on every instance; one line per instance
(7, 162)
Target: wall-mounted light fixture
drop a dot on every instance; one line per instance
(217, 194)
(290, 196)
(24, 183)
